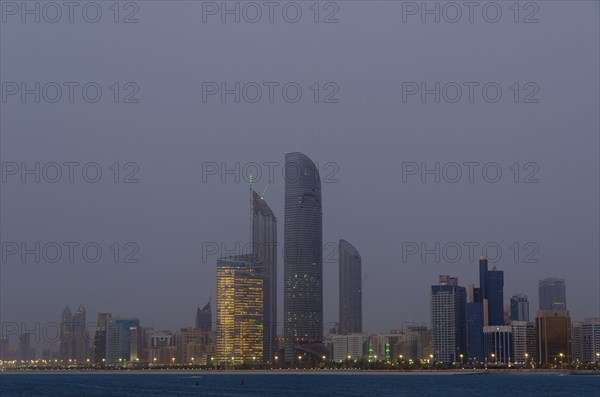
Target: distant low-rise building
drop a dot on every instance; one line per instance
(4, 356)
(352, 346)
(586, 340)
(523, 337)
(163, 348)
(497, 344)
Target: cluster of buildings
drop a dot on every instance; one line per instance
(477, 327)
(468, 325)
(118, 342)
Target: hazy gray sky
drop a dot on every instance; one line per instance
(172, 212)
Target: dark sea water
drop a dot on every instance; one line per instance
(101, 385)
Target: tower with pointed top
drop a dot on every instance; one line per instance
(65, 350)
(204, 318)
(80, 337)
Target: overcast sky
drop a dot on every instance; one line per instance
(360, 133)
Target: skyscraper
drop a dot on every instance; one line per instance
(25, 351)
(80, 337)
(475, 323)
(519, 341)
(303, 254)
(448, 320)
(122, 341)
(519, 308)
(264, 243)
(485, 307)
(553, 294)
(491, 287)
(553, 332)
(240, 309)
(65, 350)
(100, 339)
(350, 289)
(204, 318)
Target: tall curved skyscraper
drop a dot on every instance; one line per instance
(303, 254)
(350, 289)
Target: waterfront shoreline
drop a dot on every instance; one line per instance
(195, 372)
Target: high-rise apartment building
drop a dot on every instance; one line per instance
(523, 341)
(448, 320)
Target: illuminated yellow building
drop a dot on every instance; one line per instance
(240, 311)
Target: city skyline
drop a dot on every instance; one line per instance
(243, 324)
(267, 236)
(264, 246)
(463, 326)
(424, 318)
(265, 249)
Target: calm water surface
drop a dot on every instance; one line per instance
(102, 385)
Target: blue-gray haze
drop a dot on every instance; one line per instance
(361, 141)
